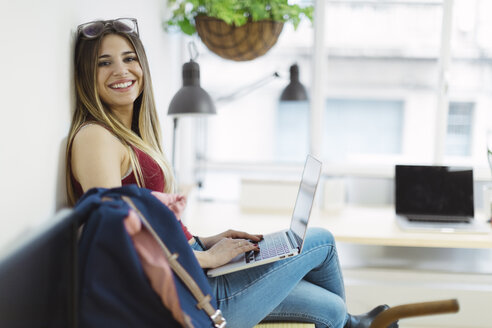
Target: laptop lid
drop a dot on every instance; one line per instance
(299, 221)
(305, 199)
(434, 191)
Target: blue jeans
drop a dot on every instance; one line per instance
(306, 288)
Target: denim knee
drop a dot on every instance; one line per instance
(320, 236)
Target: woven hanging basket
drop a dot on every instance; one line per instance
(241, 43)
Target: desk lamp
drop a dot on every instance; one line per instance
(191, 99)
(295, 91)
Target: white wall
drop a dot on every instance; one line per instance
(37, 96)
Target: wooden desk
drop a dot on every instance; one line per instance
(357, 225)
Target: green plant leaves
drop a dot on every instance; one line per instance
(236, 12)
(187, 27)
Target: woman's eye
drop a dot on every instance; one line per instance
(130, 59)
(103, 63)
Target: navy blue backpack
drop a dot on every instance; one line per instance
(114, 290)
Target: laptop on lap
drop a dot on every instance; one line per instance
(286, 243)
(436, 198)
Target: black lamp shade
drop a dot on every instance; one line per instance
(191, 98)
(295, 91)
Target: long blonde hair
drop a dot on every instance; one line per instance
(146, 136)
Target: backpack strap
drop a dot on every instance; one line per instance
(203, 301)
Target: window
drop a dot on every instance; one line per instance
(292, 131)
(469, 81)
(459, 134)
(380, 91)
(361, 126)
(379, 57)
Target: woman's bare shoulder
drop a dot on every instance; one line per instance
(97, 157)
(95, 142)
(94, 132)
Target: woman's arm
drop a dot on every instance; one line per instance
(223, 251)
(98, 158)
(211, 241)
(224, 247)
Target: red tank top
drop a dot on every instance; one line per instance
(151, 171)
(152, 175)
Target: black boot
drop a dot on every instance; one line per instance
(365, 320)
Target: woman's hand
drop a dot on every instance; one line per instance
(223, 251)
(208, 242)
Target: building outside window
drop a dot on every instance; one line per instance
(459, 133)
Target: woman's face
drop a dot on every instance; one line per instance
(119, 74)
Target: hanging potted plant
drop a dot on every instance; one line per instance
(236, 29)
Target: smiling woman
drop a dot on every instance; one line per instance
(115, 123)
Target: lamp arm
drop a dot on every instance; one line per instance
(249, 88)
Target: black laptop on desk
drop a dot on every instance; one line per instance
(436, 198)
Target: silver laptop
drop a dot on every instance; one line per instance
(436, 198)
(287, 243)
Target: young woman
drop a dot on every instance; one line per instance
(115, 139)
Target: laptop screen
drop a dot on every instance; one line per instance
(305, 197)
(434, 190)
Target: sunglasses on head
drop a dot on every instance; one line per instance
(94, 29)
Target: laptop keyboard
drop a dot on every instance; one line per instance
(271, 246)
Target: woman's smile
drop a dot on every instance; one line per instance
(122, 86)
